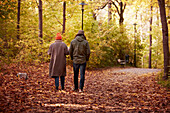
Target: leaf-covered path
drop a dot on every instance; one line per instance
(106, 90)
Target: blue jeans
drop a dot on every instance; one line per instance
(62, 79)
(76, 68)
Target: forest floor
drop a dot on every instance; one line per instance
(106, 90)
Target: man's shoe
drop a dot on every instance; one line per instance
(75, 90)
(81, 91)
(56, 88)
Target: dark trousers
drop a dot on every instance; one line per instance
(76, 68)
(62, 79)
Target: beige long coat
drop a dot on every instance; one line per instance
(58, 51)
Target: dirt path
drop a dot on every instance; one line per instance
(106, 90)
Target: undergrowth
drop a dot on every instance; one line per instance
(164, 83)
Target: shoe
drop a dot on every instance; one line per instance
(62, 90)
(80, 90)
(56, 88)
(75, 90)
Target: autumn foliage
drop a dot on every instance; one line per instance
(106, 90)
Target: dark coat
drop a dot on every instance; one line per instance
(58, 51)
(79, 50)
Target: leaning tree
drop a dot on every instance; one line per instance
(165, 37)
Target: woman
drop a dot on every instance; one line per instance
(57, 68)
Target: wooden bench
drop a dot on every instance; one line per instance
(121, 62)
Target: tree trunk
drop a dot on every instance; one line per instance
(120, 11)
(165, 37)
(150, 47)
(40, 21)
(121, 14)
(157, 49)
(18, 20)
(109, 12)
(64, 16)
(94, 16)
(135, 44)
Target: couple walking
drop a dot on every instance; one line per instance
(79, 52)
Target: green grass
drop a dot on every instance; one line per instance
(164, 83)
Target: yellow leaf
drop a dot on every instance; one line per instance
(3, 16)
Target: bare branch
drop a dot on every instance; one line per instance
(116, 7)
(59, 21)
(72, 13)
(102, 7)
(124, 7)
(55, 15)
(117, 1)
(37, 3)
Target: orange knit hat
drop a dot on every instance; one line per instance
(58, 37)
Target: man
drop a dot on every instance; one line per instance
(57, 68)
(80, 53)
